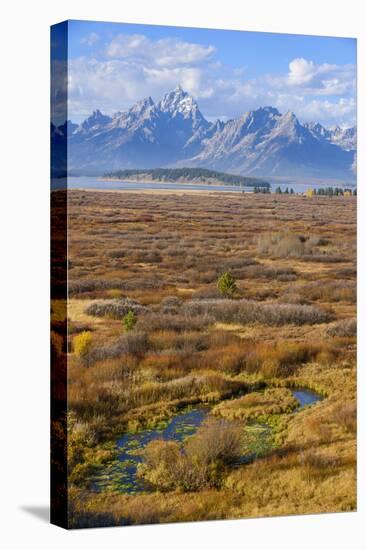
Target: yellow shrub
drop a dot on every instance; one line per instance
(82, 344)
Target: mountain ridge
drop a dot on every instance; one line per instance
(174, 133)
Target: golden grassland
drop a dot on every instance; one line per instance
(290, 323)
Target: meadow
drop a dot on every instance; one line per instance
(220, 300)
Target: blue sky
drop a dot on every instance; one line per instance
(228, 72)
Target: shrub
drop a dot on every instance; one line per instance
(227, 285)
(199, 463)
(82, 344)
(344, 328)
(115, 309)
(79, 286)
(178, 323)
(265, 272)
(281, 245)
(162, 464)
(216, 439)
(327, 291)
(248, 311)
(129, 321)
(346, 415)
(170, 305)
(136, 343)
(285, 244)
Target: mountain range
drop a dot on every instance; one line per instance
(174, 133)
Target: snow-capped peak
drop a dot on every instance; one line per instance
(260, 142)
(95, 121)
(317, 129)
(343, 137)
(142, 105)
(177, 101)
(178, 104)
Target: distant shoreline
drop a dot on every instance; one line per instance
(158, 191)
(183, 182)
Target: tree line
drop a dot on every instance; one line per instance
(201, 174)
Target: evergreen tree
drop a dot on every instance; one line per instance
(227, 285)
(129, 320)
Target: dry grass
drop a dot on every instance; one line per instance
(256, 405)
(292, 323)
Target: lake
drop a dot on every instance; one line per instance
(89, 182)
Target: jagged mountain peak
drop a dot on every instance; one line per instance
(288, 125)
(271, 110)
(217, 125)
(172, 98)
(343, 137)
(142, 105)
(315, 127)
(178, 101)
(173, 131)
(260, 116)
(95, 121)
(98, 117)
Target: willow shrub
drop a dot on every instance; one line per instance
(199, 463)
(82, 344)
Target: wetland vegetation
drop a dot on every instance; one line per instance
(211, 356)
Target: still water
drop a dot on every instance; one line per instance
(86, 182)
(121, 475)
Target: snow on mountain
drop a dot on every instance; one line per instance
(173, 132)
(265, 143)
(178, 104)
(95, 122)
(346, 138)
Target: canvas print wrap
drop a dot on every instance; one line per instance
(203, 260)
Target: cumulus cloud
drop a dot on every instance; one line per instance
(301, 71)
(113, 85)
(166, 52)
(90, 39)
(311, 79)
(133, 67)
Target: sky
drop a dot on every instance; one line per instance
(113, 65)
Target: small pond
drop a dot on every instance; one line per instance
(306, 397)
(120, 475)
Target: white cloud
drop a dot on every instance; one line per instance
(116, 84)
(134, 67)
(90, 39)
(312, 79)
(167, 52)
(301, 71)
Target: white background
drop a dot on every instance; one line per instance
(24, 218)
